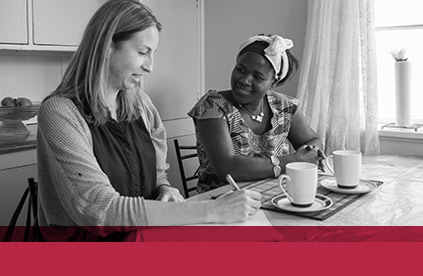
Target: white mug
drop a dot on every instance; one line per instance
(301, 181)
(346, 167)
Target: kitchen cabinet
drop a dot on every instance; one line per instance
(13, 22)
(44, 25)
(15, 169)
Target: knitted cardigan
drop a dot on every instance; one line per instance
(73, 189)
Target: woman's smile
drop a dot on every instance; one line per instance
(242, 91)
(251, 78)
(137, 77)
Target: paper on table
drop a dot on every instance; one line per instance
(259, 219)
(257, 230)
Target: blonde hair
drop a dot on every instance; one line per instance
(86, 77)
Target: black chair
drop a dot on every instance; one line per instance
(32, 231)
(183, 153)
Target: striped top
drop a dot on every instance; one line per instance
(273, 142)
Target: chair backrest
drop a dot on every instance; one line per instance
(184, 153)
(32, 231)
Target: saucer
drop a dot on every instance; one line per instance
(320, 203)
(362, 188)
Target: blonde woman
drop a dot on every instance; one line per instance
(101, 143)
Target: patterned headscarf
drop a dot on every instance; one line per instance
(275, 52)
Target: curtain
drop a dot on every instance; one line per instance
(338, 83)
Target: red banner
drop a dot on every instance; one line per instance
(227, 234)
(222, 258)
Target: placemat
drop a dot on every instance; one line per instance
(270, 189)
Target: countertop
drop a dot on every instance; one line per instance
(29, 143)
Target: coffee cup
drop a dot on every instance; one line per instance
(301, 182)
(346, 167)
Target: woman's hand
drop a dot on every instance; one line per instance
(308, 153)
(236, 206)
(305, 140)
(169, 194)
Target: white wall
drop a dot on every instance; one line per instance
(229, 22)
(173, 85)
(31, 75)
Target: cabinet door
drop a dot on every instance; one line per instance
(62, 22)
(13, 22)
(12, 184)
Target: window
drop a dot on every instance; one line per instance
(399, 23)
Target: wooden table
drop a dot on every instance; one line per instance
(398, 202)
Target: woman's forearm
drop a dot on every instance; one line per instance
(136, 211)
(172, 213)
(243, 168)
(232, 207)
(254, 168)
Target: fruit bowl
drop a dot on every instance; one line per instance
(20, 113)
(11, 127)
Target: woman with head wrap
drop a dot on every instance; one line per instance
(246, 131)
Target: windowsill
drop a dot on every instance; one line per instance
(398, 133)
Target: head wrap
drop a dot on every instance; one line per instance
(275, 52)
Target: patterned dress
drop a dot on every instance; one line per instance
(246, 143)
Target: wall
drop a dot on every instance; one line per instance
(173, 85)
(229, 22)
(31, 75)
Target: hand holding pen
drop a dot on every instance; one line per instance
(231, 182)
(236, 205)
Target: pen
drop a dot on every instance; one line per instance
(232, 182)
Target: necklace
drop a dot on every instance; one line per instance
(258, 117)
